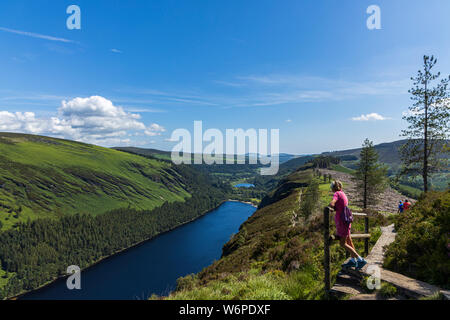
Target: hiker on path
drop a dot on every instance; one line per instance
(339, 203)
(406, 205)
(400, 206)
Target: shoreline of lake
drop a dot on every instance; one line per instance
(118, 252)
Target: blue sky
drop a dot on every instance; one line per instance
(309, 68)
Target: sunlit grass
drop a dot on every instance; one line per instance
(44, 177)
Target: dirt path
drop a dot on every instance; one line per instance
(387, 202)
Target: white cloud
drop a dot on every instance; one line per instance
(115, 50)
(94, 120)
(288, 120)
(154, 130)
(370, 117)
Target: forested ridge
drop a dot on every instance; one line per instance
(39, 251)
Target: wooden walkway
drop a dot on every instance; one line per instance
(349, 282)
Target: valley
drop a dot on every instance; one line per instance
(65, 203)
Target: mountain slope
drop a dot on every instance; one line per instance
(278, 251)
(48, 177)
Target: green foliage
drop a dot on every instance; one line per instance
(407, 190)
(422, 247)
(245, 286)
(435, 296)
(370, 175)
(309, 199)
(387, 290)
(341, 168)
(323, 161)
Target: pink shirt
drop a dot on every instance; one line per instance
(342, 229)
(341, 202)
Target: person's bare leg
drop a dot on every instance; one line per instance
(350, 249)
(350, 242)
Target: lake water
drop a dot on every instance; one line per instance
(154, 266)
(244, 185)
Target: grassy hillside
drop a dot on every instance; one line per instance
(278, 251)
(48, 177)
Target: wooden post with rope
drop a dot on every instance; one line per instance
(326, 245)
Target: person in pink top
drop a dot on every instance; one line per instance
(339, 202)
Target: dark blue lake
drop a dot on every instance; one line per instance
(154, 266)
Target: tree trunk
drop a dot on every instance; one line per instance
(425, 144)
(365, 183)
(365, 192)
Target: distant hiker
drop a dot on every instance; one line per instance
(400, 206)
(343, 225)
(406, 205)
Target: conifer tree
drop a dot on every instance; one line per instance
(428, 128)
(371, 176)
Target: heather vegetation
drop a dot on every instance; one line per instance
(422, 246)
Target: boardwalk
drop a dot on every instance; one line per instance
(349, 281)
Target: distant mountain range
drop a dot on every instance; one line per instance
(283, 157)
(388, 153)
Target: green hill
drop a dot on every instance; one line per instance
(48, 177)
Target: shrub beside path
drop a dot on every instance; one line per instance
(352, 283)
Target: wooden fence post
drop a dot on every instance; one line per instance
(366, 240)
(326, 245)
